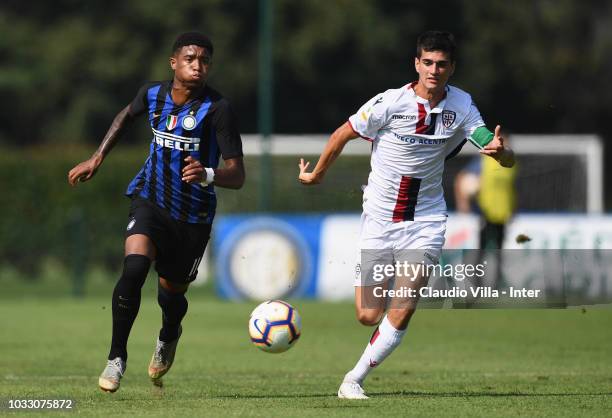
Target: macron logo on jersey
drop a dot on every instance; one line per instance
(181, 143)
(404, 117)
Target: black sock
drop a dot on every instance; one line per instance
(126, 302)
(174, 307)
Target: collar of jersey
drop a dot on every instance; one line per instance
(438, 109)
(200, 93)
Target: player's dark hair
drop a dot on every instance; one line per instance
(435, 40)
(192, 38)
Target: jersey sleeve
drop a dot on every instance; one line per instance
(140, 104)
(228, 136)
(472, 121)
(370, 118)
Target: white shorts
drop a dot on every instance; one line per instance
(384, 242)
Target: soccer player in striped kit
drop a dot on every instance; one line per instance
(173, 196)
(413, 130)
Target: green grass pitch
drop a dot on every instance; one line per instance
(452, 362)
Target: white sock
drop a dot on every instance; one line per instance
(383, 342)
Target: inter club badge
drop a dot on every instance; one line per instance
(189, 122)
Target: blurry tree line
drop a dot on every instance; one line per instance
(68, 66)
(534, 66)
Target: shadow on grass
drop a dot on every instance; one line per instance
(416, 394)
(482, 394)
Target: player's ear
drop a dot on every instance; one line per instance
(452, 69)
(173, 62)
(416, 64)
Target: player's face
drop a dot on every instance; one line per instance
(191, 64)
(434, 68)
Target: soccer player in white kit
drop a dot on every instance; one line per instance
(413, 130)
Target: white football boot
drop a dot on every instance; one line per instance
(350, 389)
(162, 359)
(112, 374)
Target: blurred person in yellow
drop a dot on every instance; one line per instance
(488, 189)
(492, 188)
(497, 201)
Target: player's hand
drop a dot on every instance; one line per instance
(194, 171)
(84, 171)
(306, 178)
(496, 146)
(498, 149)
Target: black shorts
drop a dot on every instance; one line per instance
(180, 245)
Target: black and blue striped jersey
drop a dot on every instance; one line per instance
(203, 128)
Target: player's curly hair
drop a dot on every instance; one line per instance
(192, 38)
(435, 40)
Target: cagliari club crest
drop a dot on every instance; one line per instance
(448, 117)
(171, 122)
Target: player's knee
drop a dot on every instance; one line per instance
(171, 287)
(369, 317)
(165, 296)
(140, 244)
(135, 270)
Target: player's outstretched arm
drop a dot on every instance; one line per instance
(87, 169)
(231, 176)
(498, 150)
(332, 150)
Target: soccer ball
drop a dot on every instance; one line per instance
(275, 326)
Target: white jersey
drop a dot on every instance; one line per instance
(410, 143)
